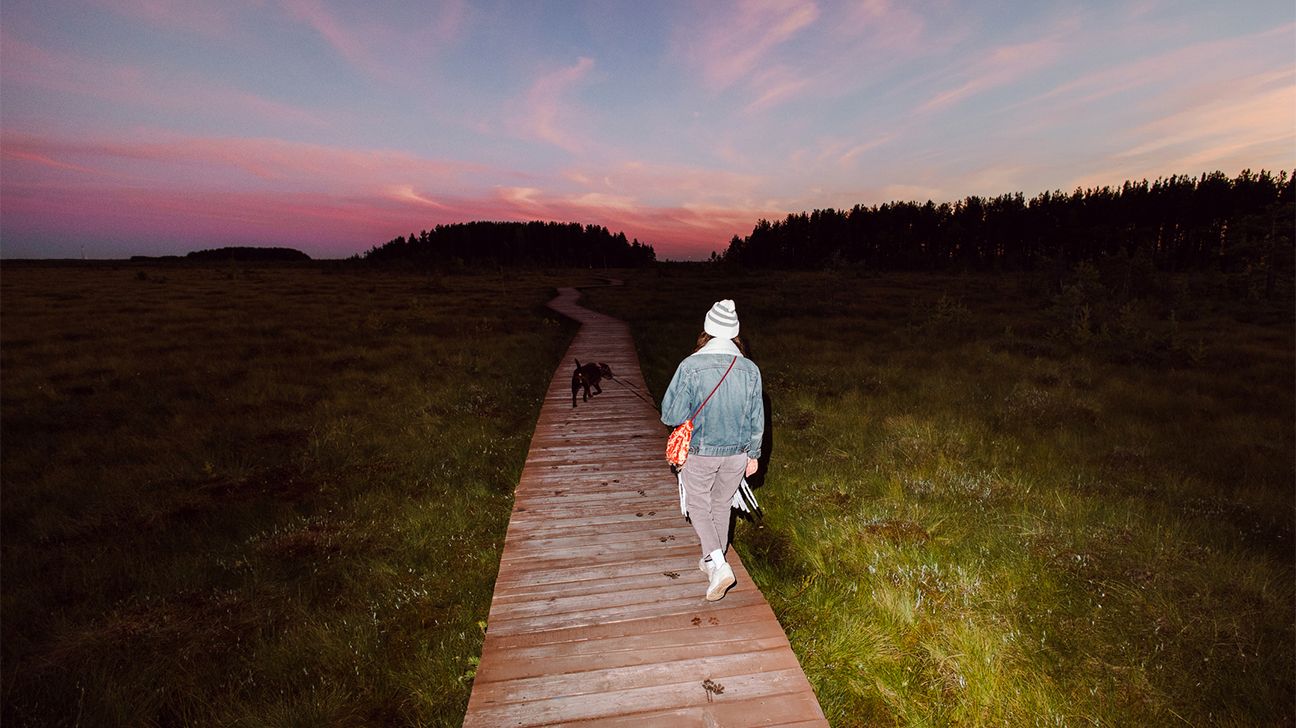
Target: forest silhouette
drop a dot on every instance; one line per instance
(248, 254)
(1211, 222)
(513, 244)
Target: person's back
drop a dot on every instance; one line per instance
(720, 389)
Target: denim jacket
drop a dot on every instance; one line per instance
(734, 420)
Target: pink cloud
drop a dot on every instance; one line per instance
(368, 44)
(331, 226)
(327, 225)
(729, 44)
(450, 21)
(1238, 123)
(338, 35)
(893, 27)
(1254, 111)
(1164, 69)
(406, 193)
(139, 87)
(657, 182)
(837, 153)
(197, 16)
(774, 87)
(548, 107)
(850, 155)
(603, 202)
(263, 188)
(676, 231)
(752, 48)
(25, 155)
(521, 197)
(217, 161)
(1001, 66)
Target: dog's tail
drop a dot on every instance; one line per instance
(577, 363)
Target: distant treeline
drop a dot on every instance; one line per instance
(514, 244)
(248, 254)
(241, 254)
(1179, 223)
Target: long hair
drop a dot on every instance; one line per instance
(704, 337)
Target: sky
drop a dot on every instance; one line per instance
(149, 127)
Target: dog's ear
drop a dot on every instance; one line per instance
(577, 363)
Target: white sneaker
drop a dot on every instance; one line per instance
(722, 577)
(704, 566)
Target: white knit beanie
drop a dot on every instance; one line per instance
(722, 320)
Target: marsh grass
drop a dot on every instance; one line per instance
(258, 496)
(983, 510)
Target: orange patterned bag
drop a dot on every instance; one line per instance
(677, 445)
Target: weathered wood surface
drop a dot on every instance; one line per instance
(598, 616)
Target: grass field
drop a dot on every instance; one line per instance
(990, 502)
(267, 496)
(277, 496)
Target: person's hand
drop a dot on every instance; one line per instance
(752, 466)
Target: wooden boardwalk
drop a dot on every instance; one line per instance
(598, 616)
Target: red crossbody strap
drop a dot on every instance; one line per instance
(713, 389)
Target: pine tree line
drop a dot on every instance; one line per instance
(514, 244)
(247, 254)
(1176, 223)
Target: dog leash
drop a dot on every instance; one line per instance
(644, 398)
(636, 392)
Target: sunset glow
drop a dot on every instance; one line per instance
(164, 126)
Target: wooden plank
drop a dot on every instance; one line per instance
(589, 525)
(618, 613)
(651, 530)
(763, 710)
(598, 615)
(509, 578)
(594, 525)
(548, 512)
(625, 703)
(623, 679)
(605, 566)
(711, 616)
(658, 589)
(535, 659)
(564, 497)
(596, 558)
(518, 669)
(637, 537)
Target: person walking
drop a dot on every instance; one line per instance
(727, 433)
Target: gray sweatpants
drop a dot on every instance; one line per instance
(709, 486)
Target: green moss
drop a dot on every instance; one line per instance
(270, 498)
(975, 516)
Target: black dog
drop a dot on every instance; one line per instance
(588, 376)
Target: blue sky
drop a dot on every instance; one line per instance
(157, 126)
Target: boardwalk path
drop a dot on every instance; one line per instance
(598, 614)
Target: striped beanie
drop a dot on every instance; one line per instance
(722, 320)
